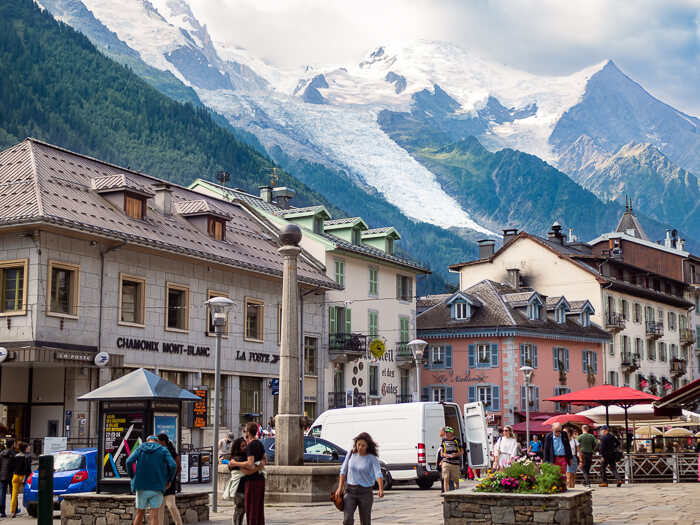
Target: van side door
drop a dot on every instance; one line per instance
(476, 434)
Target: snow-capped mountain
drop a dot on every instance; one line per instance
(347, 117)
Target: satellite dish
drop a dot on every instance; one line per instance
(674, 233)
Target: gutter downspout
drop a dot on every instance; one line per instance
(102, 278)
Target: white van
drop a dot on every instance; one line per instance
(406, 433)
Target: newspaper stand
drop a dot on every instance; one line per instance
(132, 408)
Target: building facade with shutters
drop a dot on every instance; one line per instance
(97, 258)
(480, 337)
(375, 302)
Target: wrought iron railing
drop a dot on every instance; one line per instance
(630, 359)
(404, 398)
(403, 352)
(678, 366)
(654, 329)
(342, 341)
(687, 336)
(615, 321)
(670, 467)
(342, 399)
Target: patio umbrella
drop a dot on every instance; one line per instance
(697, 434)
(607, 395)
(678, 432)
(569, 418)
(648, 430)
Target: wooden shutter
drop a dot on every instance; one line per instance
(348, 321)
(522, 355)
(566, 358)
(494, 355)
(448, 356)
(523, 400)
(583, 360)
(332, 320)
(595, 361)
(426, 393)
(537, 398)
(495, 398)
(555, 354)
(534, 356)
(471, 394)
(472, 356)
(449, 393)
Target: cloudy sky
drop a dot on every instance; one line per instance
(656, 42)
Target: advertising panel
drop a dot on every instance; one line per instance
(123, 432)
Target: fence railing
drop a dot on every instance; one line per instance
(672, 467)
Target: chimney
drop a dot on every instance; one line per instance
(667, 240)
(164, 198)
(283, 195)
(682, 245)
(514, 277)
(509, 234)
(556, 234)
(266, 193)
(486, 247)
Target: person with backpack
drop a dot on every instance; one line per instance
(608, 449)
(451, 452)
(7, 457)
(21, 472)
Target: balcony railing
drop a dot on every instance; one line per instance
(342, 399)
(404, 398)
(404, 356)
(678, 366)
(687, 337)
(343, 342)
(654, 329)
(630, 360)
(614, 321)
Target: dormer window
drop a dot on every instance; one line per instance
(216, 228)
(462, 306)
(356, 236)
(533, 311)
(135, 206)
(318, 225)
(585, 318)
(559, 315)
(461, 311)
(390, 246)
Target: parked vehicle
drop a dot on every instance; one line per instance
(74, 471)
(317, 450)
(407, 434)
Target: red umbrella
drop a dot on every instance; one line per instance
(569, 418)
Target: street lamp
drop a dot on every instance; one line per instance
(417, 346)
(219, 308)
(527, 376)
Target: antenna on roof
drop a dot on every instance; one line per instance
(223, 177)
(273, 176)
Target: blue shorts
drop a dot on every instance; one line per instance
(146, 498)
(574, 466)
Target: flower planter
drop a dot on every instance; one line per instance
(575, 507)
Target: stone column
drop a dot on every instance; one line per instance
(288, 431)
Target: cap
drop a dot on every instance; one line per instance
(603, 427)
(449, 429)
(152, 439)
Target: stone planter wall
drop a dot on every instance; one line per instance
(119, 509)
(574, 507)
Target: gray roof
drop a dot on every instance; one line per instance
(41, 183)
(346, 220)
(139, 384)
(369, 251)
(199, 207)
(307, 209)
(497, 313)
(628, 222)
(117, 182)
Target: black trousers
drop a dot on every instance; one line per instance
(586, 466)
(609, 461)
(358, 497)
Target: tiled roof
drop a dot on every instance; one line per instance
(432, 300)
(118, 182)
(294, 211)
(41, 183)
(375, 231)
(346, 220)
(369, 251)
(199, 207)
(496, 313)
(628, 222)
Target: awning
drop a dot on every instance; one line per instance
(687, 394)
(536, 427)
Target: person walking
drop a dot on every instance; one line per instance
(224, 452)
(588, 444)
(357, 476)
(576, 454)
(7, 457)
(154, 471)
(535, 446)
(608, 449)
(451, 451)
(557, 449)
(174, 487)
(21, 471)
(506, 449)
(254, 492)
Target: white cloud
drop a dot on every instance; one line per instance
(656, 43)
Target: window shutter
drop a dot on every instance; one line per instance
(534, 356)
(522, 355)
(595, 362)
(523, 400)
(537, 398)
(398, 287)
(348, 321)
(555, 354)
(429, 361)
(494, 355)
(448, 356)
(566, 358)
(333, 320)
(426, 393)
(495, 398)
(449, 393)
(583, 361)
(471, 394)
(472, 356)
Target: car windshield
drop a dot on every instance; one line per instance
(68, 461)
(318, 446)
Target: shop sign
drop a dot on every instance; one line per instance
(164, 347)
(67, 355)
(199, 409)
(257, 357)
(123, 432)
(444, 379)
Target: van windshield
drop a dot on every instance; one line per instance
(316, 431)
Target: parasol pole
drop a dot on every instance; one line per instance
(607, 416)
(627, 430)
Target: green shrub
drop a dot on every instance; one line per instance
(524, 475)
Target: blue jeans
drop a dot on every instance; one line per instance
(4, 486)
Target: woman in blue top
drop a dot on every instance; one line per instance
(360, 469)
(536, 446)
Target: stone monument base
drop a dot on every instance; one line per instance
(302, 484)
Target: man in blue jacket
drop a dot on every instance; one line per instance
(155, 470)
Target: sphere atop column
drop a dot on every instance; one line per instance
(291, 235)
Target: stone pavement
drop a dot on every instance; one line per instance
(637, 504)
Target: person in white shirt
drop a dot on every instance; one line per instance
(506, 450)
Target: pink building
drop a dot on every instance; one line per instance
(480, 337)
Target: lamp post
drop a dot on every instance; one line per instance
(219, 308)
(417, 346)
(527, 376)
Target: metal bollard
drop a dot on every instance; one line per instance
(45, 490)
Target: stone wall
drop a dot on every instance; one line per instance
(574, 507)
(119, 509)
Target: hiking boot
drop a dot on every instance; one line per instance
(603, 484)
(619, 483)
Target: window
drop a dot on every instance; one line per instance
(533, 311)
(651, 350)
(672, 321)
(613, 378)
(559, 315)
(250, 408)
(625, 344)
(310, 353)
(373, 380)
(461, 310)
(355, 236)
(64, 286)
(586, 318)
(373, 323)
(483, 354)
(637, 313)
(639, 347)
(318, 225)
(625, 309)
(488, 394)
(132, 299)
(373, 281)
(208, 383)
(483, 394)
(14, 292)
(177, 316)
(254, 319)
(662, 351)
(134, 207)
(590, 362)
(438, 393)
(216, 228)
(533, 397)
(404, 329)
(390, 246)
(673, 354)
(437, 355)
(210, 321)
(340, 272)
(558, 391)
(404, 288)
(561, 359)
(528, 355)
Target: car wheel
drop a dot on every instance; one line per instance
(32, 509)
(388, 482)
(424, 483)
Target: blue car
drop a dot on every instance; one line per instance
(74, 471)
